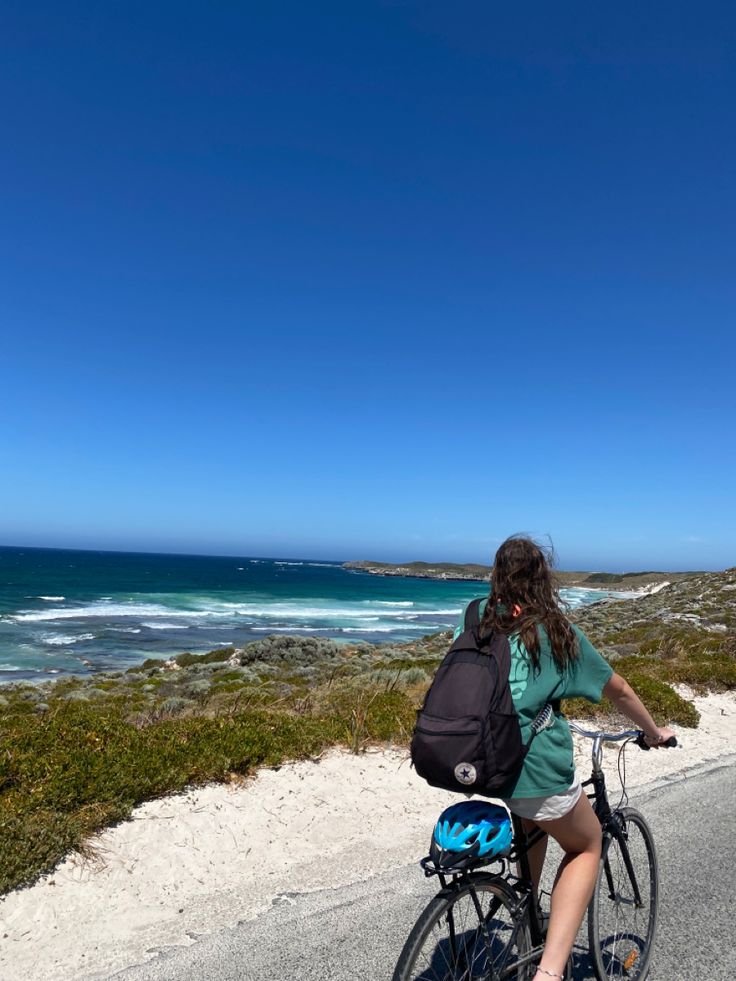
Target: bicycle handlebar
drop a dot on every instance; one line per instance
(616, 737)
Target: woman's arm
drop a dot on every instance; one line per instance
(623, 696)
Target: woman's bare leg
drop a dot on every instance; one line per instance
(536, 854)
(579, 835)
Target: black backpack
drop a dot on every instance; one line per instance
(467, 736)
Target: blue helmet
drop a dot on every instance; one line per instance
(469, 831)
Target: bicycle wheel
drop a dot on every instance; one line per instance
(451, 942)
(621, 924)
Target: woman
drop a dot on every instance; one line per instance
(553, 659)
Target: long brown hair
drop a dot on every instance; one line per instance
(522, 581)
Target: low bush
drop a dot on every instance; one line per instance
(77, 769)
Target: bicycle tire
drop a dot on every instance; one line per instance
(431, 953)
(620, 933)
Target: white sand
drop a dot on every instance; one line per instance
(200, 862)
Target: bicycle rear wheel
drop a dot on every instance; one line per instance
(451, 942)
(622, 916)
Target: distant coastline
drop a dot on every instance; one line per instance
(472, 572)
(423, 570)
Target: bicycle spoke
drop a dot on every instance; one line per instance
(623, 910)
(455, 945)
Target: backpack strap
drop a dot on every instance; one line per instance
(472, 615)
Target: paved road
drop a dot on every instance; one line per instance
(356, 932)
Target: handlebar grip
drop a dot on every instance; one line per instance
(667, 744)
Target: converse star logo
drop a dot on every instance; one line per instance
(465, 773)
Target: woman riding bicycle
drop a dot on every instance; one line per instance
(552, 659)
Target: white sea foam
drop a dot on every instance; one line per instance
(393, 603)
(64, 640)
(166, 626)
(576, 596)
(125, 630)
(108, 611)
(297, 611)
(367, 630)
(158, 616)
(319, 630)
(288, 563)
(10, 667)
(294, 611)
(288, 630)
(52, 599)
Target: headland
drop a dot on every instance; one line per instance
(474, 572)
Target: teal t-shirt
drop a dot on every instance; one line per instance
(548, 768)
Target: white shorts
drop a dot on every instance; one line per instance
(545, 808)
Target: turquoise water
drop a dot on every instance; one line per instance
(79, 612)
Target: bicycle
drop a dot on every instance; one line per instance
(490, 925)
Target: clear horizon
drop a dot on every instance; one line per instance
(334, 558)
(382, 280)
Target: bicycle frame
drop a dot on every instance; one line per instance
(610, 820)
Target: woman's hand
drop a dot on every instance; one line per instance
(654, 741)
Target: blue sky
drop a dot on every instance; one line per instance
(386, 280)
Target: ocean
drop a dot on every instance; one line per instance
(77, 612)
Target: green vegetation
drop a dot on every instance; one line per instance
(73, 762)
(662, 701)
(81, 753)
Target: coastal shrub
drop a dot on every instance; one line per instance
(185, 659)
(290, 649)
(664, 703)
(386, 677)
(400, 677)
(75, 696)
(234, 675)
(390, 716)
(366, 714)
(29, 695)
(428, 664)
(175, 704)
(218, 655)
(69, 773)
(200, 668)
(415, 676)
(224, 686)
(714, 673)
(196, 688)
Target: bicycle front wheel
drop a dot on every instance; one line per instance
(622, 915)
(467, 932)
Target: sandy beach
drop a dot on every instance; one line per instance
(200, 862)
